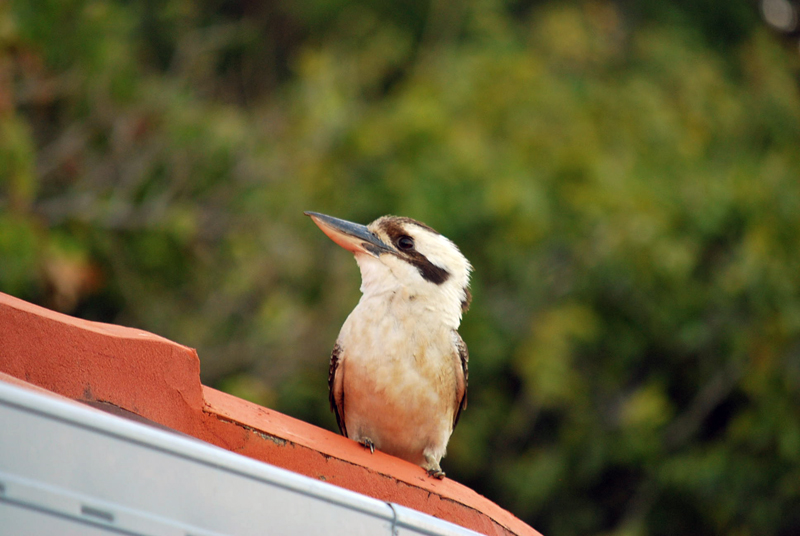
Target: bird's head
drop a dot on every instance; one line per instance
(395, 252)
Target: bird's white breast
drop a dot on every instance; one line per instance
(399, 373)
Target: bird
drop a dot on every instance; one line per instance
(398, 371)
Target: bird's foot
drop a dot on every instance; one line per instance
(367, 442)
(435, 473)
(431, 465)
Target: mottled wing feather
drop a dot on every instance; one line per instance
(335, 391)
(461, 394)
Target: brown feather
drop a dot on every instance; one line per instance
(336, 398)
(463, 353)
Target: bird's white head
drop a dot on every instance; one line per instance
(401, 253)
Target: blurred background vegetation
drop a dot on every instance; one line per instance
(624, 175)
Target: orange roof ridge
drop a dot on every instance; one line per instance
(159, 380)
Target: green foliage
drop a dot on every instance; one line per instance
(622, 176)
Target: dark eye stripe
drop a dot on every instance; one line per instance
(428, 270)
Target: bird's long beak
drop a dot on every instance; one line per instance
(351, 236)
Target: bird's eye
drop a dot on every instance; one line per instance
(406, 243)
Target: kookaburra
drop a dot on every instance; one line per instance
(398, 371)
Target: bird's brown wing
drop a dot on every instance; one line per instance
(335, 390)
(463, 377)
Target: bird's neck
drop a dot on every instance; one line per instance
(382, 290)
(402, 302)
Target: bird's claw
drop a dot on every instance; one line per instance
(435, 473)
(367, 442)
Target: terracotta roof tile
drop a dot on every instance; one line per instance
(159, 380)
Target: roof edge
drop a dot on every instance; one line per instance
(159, 380)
